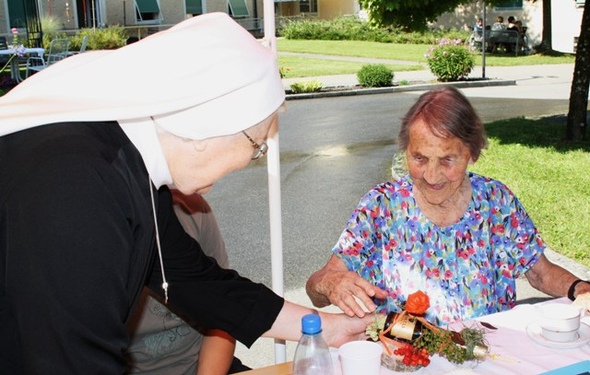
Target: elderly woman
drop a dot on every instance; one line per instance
(461, 238)
(88, 147)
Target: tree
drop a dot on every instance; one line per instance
(413, 15)
(408, 14)
(578, 109)
(547, 26)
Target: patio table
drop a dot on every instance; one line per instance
(515, 348)
(14, 63)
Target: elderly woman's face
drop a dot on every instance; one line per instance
(437, 165)
(209, 160)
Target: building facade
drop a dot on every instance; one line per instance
(152, 15)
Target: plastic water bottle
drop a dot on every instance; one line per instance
(312, 356)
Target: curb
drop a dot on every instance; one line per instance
(335, 91)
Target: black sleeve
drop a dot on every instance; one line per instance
(68, 253)
(211, 296)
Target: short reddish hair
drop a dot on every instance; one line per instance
(448, 114)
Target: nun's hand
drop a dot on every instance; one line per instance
(583, 301)
(339, 329)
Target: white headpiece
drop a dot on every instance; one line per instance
(205, 77)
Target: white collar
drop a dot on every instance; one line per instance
(142, 133)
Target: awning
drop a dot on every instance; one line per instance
(194, 7)
(238, 8)
(148, 6)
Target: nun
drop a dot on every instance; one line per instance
(88, 148)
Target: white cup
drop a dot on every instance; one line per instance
(360, 358)
(559, 322)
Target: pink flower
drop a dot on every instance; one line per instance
(14, 30)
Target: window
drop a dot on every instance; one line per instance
(147, 11)
(16, 14)
(194, 7)
(580, 3)
(238, 8)
(308, 6)
(509, 5)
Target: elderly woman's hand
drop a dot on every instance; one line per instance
(335, 284)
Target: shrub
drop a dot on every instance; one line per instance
(375, 75)
(306, 86)
(350, 28)
(284, 70)
(449, 60)
(109, 38)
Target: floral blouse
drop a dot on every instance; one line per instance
(468, 269)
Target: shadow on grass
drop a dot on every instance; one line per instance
(547, 132)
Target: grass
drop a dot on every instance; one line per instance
(389, 51)
(309, 67)
(548, 175)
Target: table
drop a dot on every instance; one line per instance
(513, 351)
(14, 68)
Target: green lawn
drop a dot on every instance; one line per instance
(548, 175)
(295, 66)
(389, 51)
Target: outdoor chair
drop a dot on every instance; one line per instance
(82, 47)
(58, 50)
(3, 45)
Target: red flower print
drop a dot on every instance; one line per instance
(481, 243)
(354, 252)
(436, 272)
(405, 193)
(448, 274)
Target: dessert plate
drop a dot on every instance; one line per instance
(534, 332)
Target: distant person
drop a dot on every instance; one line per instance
(499, 24)
(479, 25)
(511, 25)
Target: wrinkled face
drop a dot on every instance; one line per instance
(437, 165)
(197, 165)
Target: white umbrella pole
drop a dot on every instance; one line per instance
(274, 186)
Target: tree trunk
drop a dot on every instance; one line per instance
(546, 43)
(577, 115)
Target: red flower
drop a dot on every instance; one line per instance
(417, 303)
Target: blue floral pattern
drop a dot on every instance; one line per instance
(468, 269)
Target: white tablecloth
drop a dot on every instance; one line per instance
(513, 351)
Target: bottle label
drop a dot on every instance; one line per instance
(404, 328)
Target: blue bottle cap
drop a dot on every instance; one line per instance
(311, 324)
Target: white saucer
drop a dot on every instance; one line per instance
(534, 332)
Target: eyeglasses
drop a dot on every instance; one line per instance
(259, 149)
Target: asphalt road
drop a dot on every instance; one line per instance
(333, 150)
